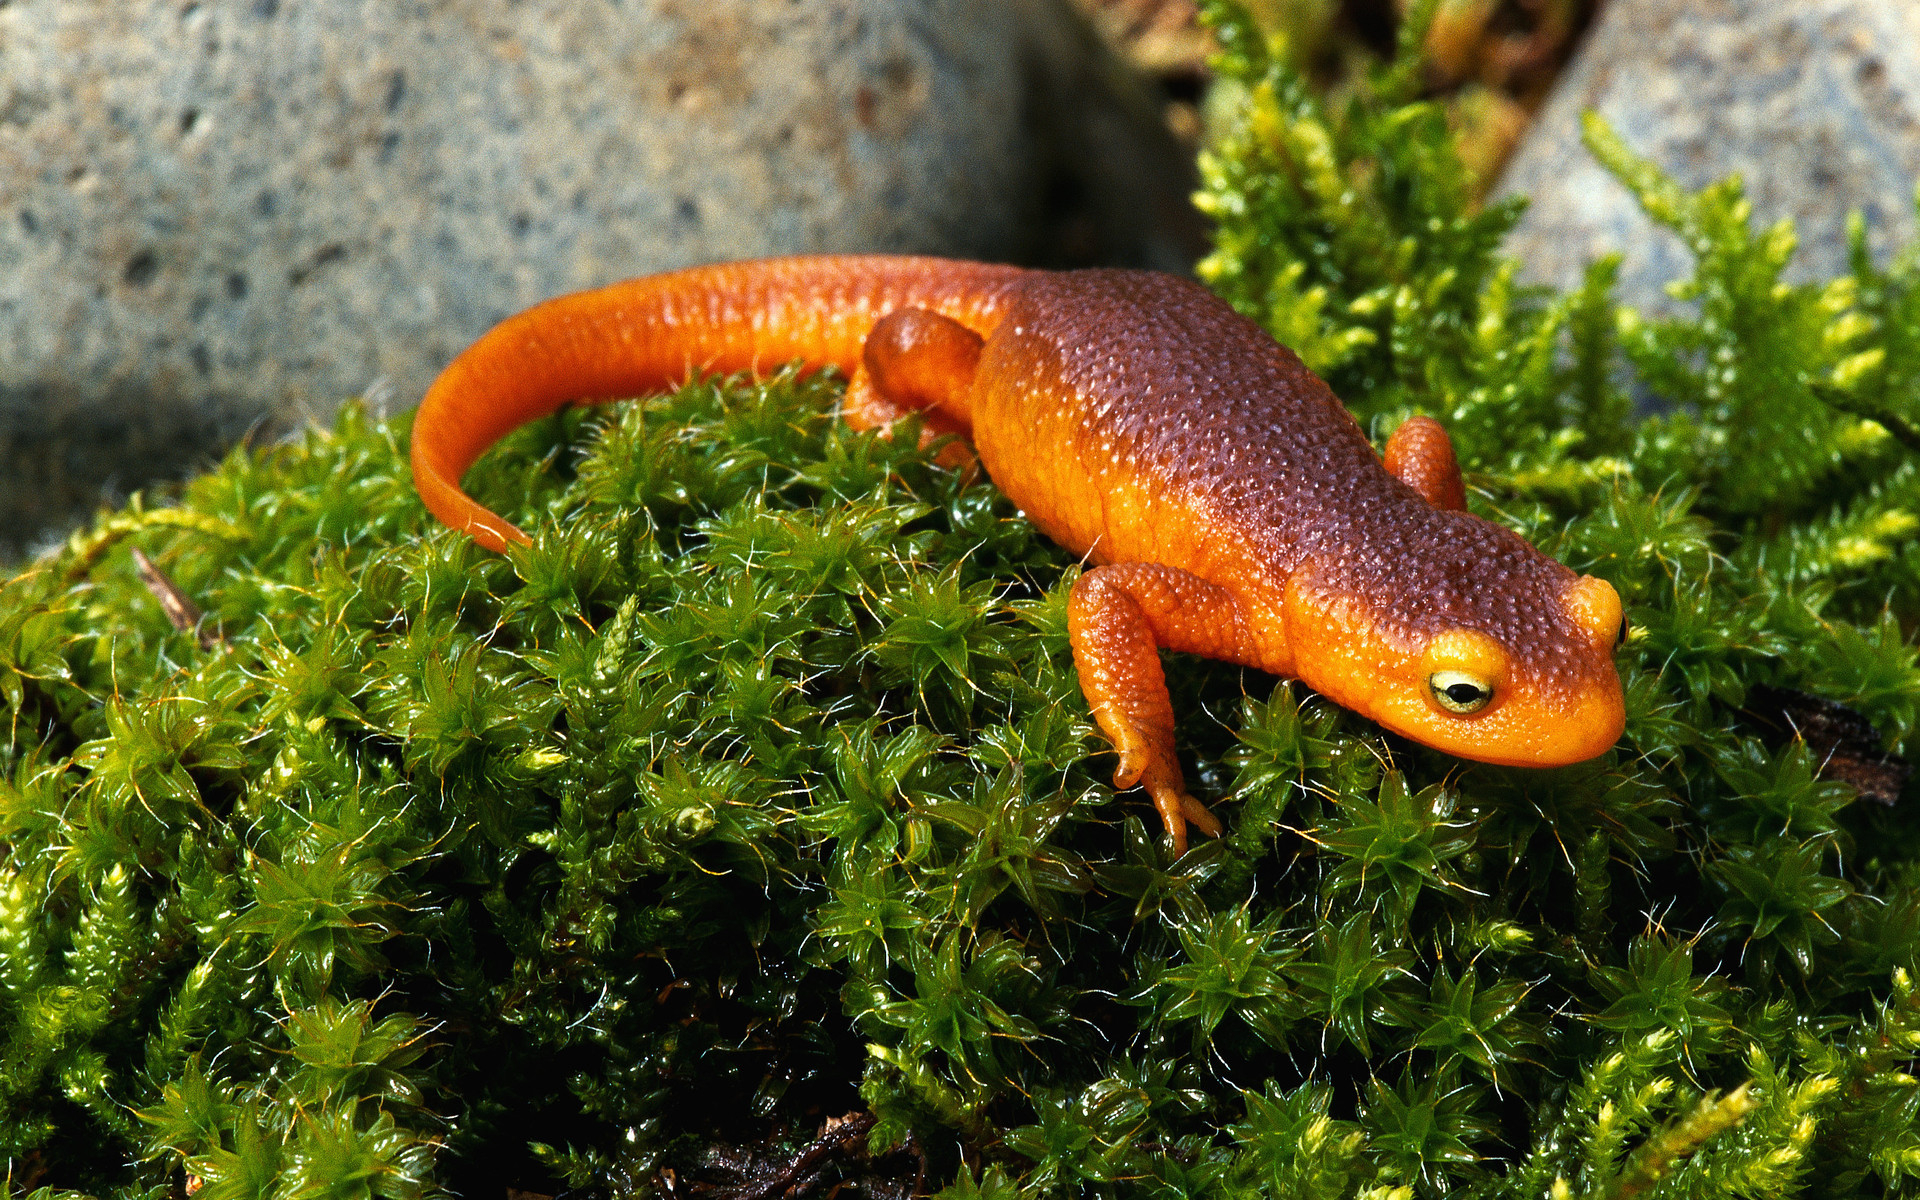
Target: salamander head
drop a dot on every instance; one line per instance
(1477, 645)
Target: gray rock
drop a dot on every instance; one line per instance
(236, 213)
(1815, 103)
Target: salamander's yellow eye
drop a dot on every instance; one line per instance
(1460, 692)
(1464, 670)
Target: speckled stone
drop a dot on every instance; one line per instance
(1815, 103)
(235, 213)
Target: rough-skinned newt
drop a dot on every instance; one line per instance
(1231, 504)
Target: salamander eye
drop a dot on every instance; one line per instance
(1460, 693)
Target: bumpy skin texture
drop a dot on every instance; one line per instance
(1231, 504)
(1420, 454)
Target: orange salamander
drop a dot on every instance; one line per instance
(1233, 506)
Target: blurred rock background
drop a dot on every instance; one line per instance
(221, 217)
(1815, 104)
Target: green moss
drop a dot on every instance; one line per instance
(760, 788)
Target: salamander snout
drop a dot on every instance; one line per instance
(1595, 608)
(1540, 704)
(1536, 688)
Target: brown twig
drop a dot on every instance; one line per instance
(181, 611)
(846, 1136)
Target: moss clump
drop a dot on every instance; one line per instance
(760, 789)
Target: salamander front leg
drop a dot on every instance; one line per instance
(1118, 619)
(1420, 455)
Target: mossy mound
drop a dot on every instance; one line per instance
(760, 789)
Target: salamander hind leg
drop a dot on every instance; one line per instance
(1118, 619)
(916, 361)
(1420, 455)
